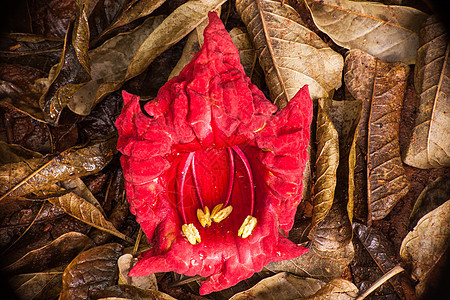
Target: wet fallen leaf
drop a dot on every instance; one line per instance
(59, 12)
(77, 186)
(381, 87)
(61, 250)
(427, 243)
(125, 263)
(432, 196)
(99, 263)
(38, 286)
(429, 146)
(337, 289)
(388, 32)
(381, 251)
(130, 292)
(290, 54)
(281, 286)
(36, 174)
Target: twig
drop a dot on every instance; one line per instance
(394, 271)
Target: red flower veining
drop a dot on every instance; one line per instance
(213, 173)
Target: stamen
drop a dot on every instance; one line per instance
(231, 181)
(191, 233)
(249, 174)
(218, 214)
(247, 227)
(204, 217)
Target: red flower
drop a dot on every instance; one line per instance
(213, 174)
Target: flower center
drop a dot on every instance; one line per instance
(222, 210)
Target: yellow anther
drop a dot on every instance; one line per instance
(218, 214)
(191, 233)
(247, 227)
(204, 217)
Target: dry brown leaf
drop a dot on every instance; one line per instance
(59, 251)
(337, 289)
(427, 243)
(125, 263)
(381, 87)
(290, 54)
(389, 32)
(129, 292)
(12, 153)
(81, 209)
(32, 175)
(429, 146)
(90, 271)
(280, 287)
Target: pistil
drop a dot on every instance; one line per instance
(250, 222)
(203, 214)
(189, 230)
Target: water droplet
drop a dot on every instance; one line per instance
(202, 255)
(279, 253)
(194, 262)
(207, 267)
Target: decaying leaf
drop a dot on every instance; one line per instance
(61, 250)
(429, 146)
(290, 54)
(281, 286)
(11, 153)
(427, 243)
(389, 32)
(432, 196)
(337, 289)
(38, 286)
(79, 188)
(101, 265)
(35, 174)
(381, 87)
(125, 263)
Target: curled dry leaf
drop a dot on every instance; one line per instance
(429, 146)
(427, 243)
(337, 289)
(125, 263)
(432, 196)
(389, 32)
(99, 263)
(381, 87)
(38, 286)
(280, 287)
(290, 54)
(17, 179)
(61, 250)
(68, 75)
(135, 9)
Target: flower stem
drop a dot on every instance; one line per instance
(231, 181)
(183, 179)
(249, 173)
